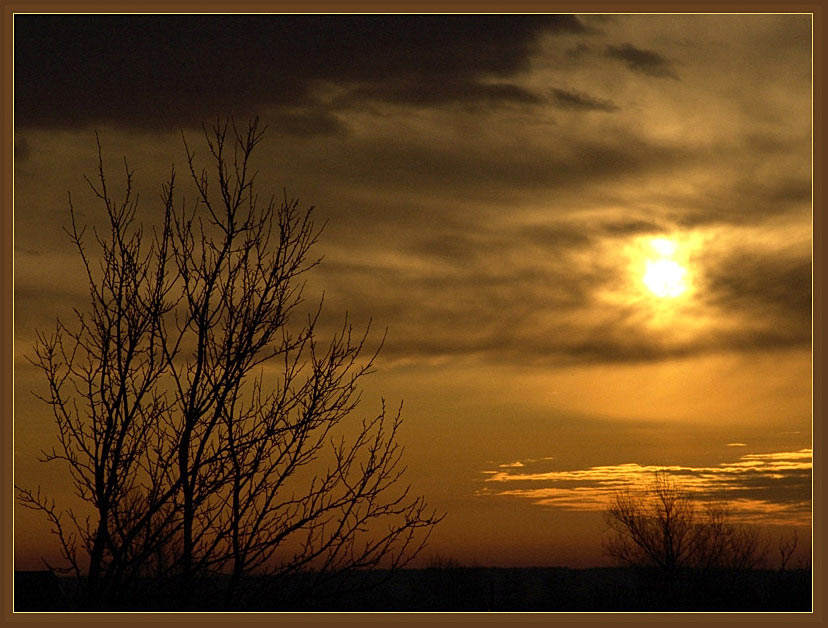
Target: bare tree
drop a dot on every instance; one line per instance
(786, 548)
(720, 543)
(105, 388)
(653, 527)
(661, 525)
(208, 427)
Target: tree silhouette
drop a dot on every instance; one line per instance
(205, 422)
(661, 525)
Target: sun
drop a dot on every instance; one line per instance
(664, 276)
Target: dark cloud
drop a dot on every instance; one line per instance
(439, 92)
(578, 51)
(171, 70)
(563, 237)
(465, 246)
(784, 191)
(791, 487)
(490, 167)
(303, 123)
(746, 196)
(559, 237)
(631, 227)
(579, 101)
(644, 61)
(456, 247)
(473, 306)
(750, 198)
(773, 288)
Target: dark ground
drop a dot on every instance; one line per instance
(471, 589)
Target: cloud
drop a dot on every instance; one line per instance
(770, 487)
(307, 123)
(646, 62)
(579, 101)
(453, 278)
(500, 227)
(440, 92)
(568, 235)
(166, 71)
(578, 51)
(565, 292)
(769, 286)
(488, 165)
(744, 198)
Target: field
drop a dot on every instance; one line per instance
(471, 589)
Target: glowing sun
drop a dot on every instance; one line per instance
(663, 275)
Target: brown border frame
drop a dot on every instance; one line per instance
(9, 8)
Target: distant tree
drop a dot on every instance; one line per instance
(203, 423)
(661, 525)
(786, 548)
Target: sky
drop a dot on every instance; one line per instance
(588, 237)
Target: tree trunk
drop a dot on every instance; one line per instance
(185, 591)
(94, 586)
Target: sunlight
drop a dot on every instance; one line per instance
(664, 276)
(663, 246)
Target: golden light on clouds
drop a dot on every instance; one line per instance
(771, 488)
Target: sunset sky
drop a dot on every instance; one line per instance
(589, 238)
